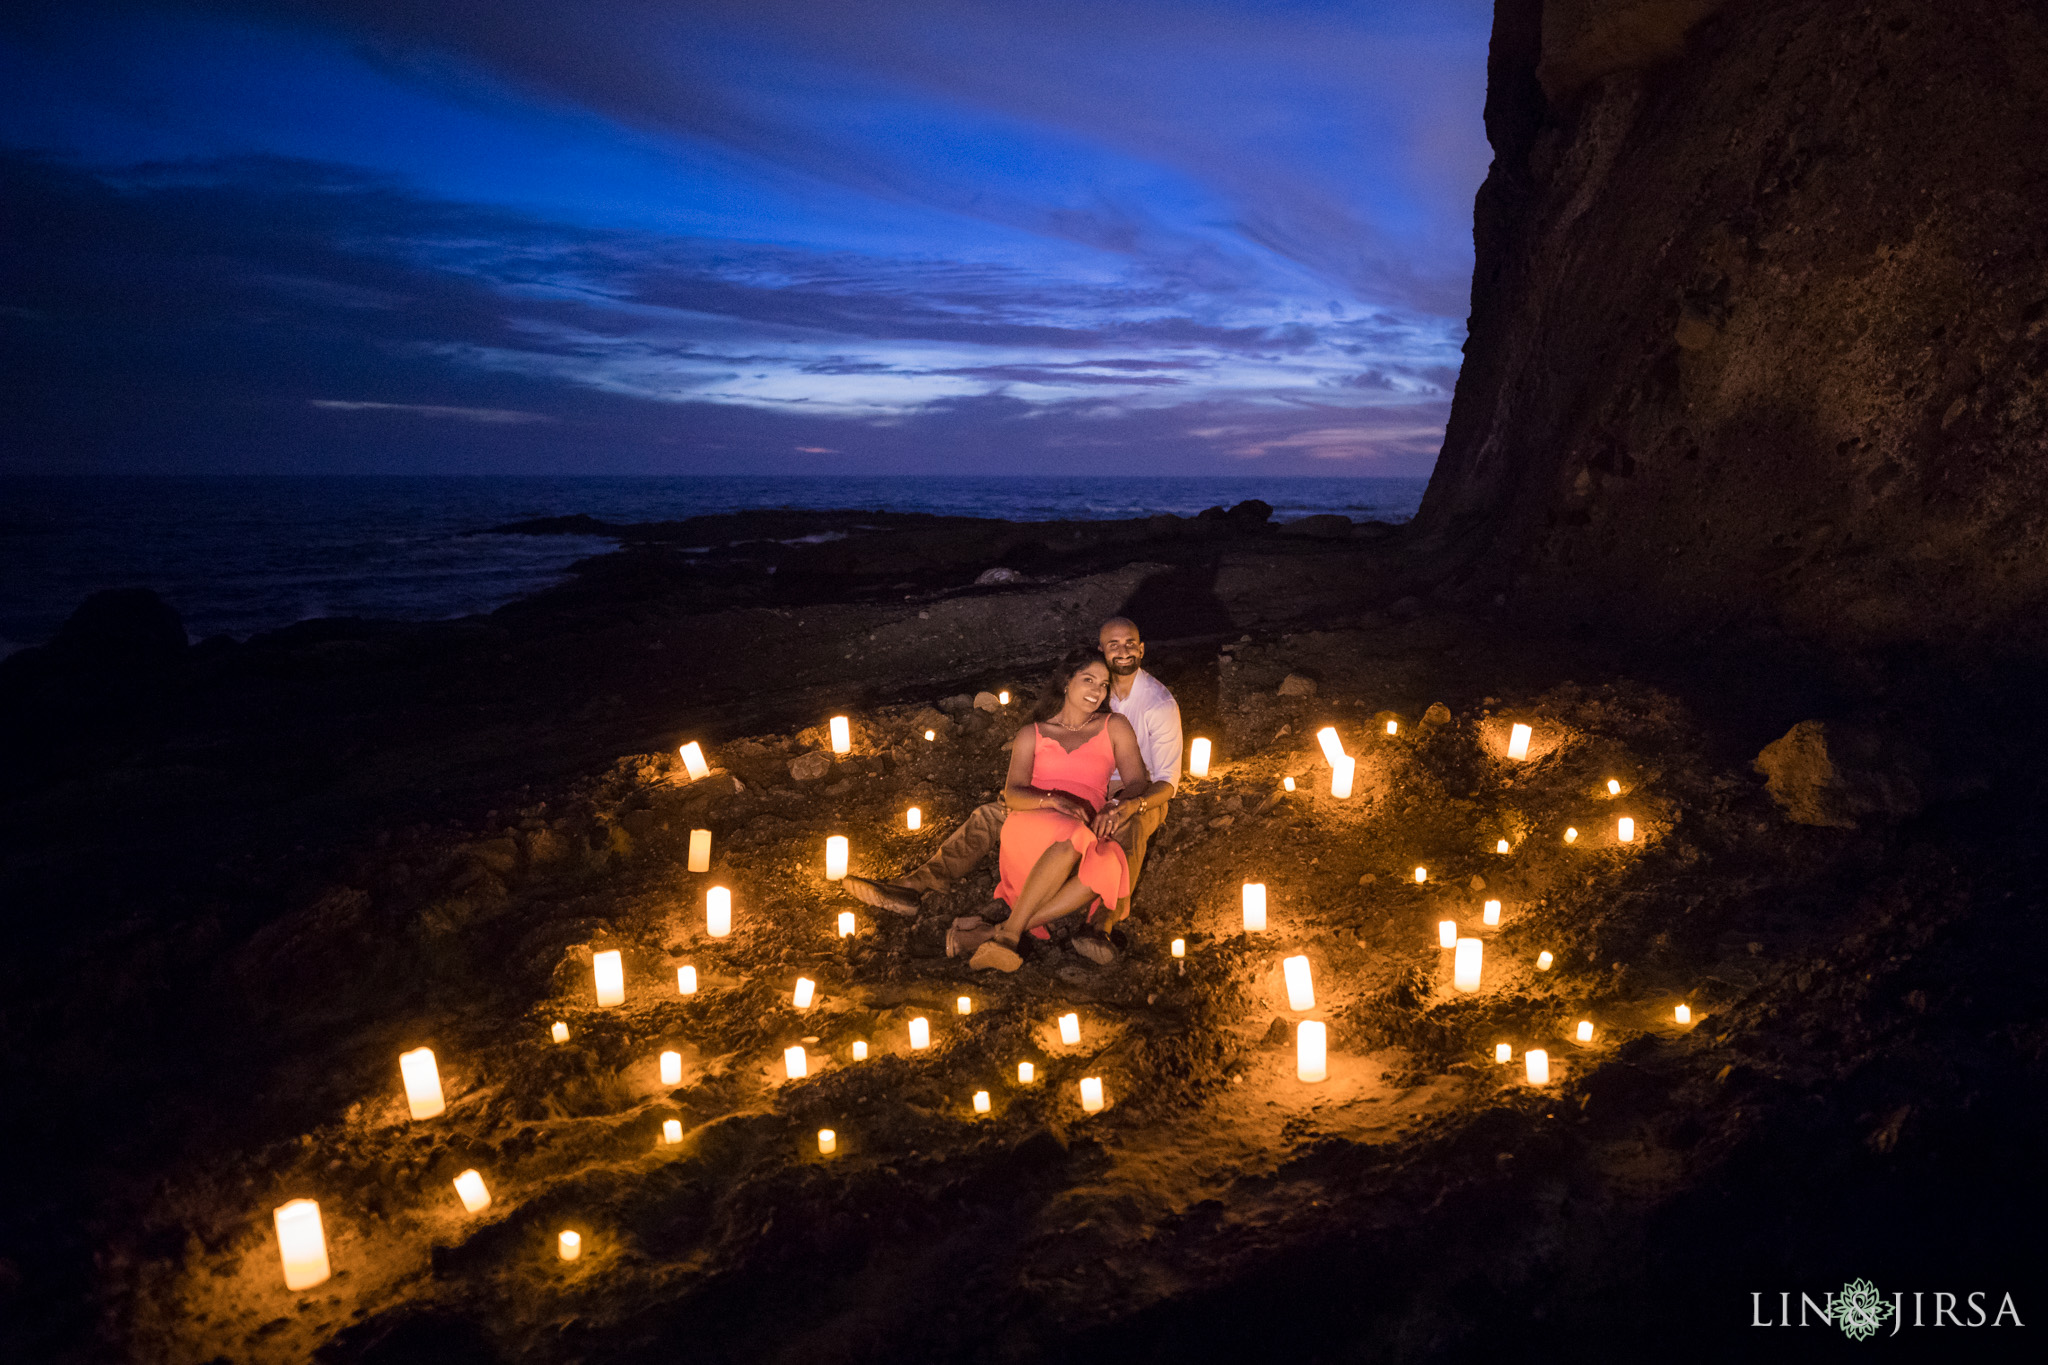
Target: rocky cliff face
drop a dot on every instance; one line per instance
(1759, 323)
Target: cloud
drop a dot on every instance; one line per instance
(489, 416)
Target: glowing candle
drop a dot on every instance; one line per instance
(1465, 965)
(1198, 758)
(1421, 874)
(1393, 727)
(1518, 742)
(931, 734)
(1500, 846)
(828, 1142)
(700, 850)
(1625, 830)
(1503, 1054)
(1491, 914)
(422, 1082)
(718, 912)
(693, 759)
(1570, 834)
(1537, 1062)
(1070, 1029)
(842, 736)
(1613, 787)
(569, 1245)
(981, 1102)
(1091, 1094)
(1446, 933)
(1341, 773)
(804, 989)
(920, 1034)
(1543, 961)
(795, 1066)
(1311, 1059)
(1180, 947)
(609, 973)
(963, 1005)
(671, 1068)
(1026, 1073)
(469, 1188)
(1333, 749)
(1301, 991)
(835, 857)
(672, 1131)
(1002, 698)
(560, 1032)
(1584, 1035)
(301, 1242)
(1287, 783)
(846, 924)
(1254, 907)
(686, 981)
(860, 1051)
(1685, 1014)
(914, 818)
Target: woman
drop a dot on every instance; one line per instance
(1058, 849)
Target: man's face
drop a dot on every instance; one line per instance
(1123, 649)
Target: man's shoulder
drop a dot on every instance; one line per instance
(1157, 692)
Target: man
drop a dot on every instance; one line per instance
(1141, 699)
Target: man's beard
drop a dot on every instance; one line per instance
(1123, 668)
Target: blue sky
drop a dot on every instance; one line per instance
(530, 236)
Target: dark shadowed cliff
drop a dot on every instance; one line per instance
(1759, 323)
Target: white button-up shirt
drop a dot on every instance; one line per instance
(1155, 715)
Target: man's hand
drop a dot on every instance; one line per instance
(1113, 818)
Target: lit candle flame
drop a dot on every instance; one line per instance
(1198, 758)
(1491, 914)
(842, 736)
(1254, 907)
(1518, 741)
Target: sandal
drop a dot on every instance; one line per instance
(962, 936)
(1094, 945)
(1004, 957)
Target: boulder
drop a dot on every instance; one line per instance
(810, 767)
(993, 577)
(1833, 774)
(1295, 685)
(1437, 714)
(1327, 526)
(958, 702)
(986, 701)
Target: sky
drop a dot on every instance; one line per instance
(736, 236)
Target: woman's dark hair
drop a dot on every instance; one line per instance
(1053, 695)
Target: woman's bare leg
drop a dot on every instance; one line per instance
(1071, 896)
(1047, 876)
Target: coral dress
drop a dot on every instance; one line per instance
(1027, 834)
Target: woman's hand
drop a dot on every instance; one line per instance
(1070, 805)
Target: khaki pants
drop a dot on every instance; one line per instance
(983, 830)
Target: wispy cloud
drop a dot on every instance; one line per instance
(488, 416)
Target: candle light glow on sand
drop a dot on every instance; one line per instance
(920, 1034)
(914, 818)
(1446, 933)
(981, 1102)
(795, 1065)
(1254, 907)
(842, 736)
(560, 1032)
(1537, 1066)
(718, 912)
(469, 1188)
(1518, 741)
(1198, 758)
(686, 981)
(860, 1051)
(1311, 1055)
(693, 760)
(608, 973)
(700, 850)
(569, 1245)
(1341, 774)
(1091, 1094)
(671, 1068)
(1333, 748)
(672, 1131)
(422, 1082)
(1491, 914)
(835, 857)
(828, 1142)
(805, 989)
(301, 1243)
(1465, 965)
(1070, 1029)
(846, 924)
(1301, 991)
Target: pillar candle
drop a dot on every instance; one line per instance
(835, 857)
(469, 1188)
(795, 1066)
(1421, 874)
(1026, 1073)
(1500, 846)
(671, 1068)
(1543, 961)
(569, 1245)
(1070, 1029)
(1613, 787)
(846, 924)
(1287, 783)
(828, 1142)
(718, 912)
(1180, 947)
(981, 1102)
(1684, 1014)
(1311, 1060)
(1584, 1033)
(686, 981)
(805, 988)
(693, 760)
(1091, 1093)
(842, 736)
(1333, 749)
(1571, 835)
(560, 1032)
(920, 1034)
(1503, 1054)
(1491, 914)
(422, 1082)
(1446, 933)
(700, 850)
(1341, 773)
(1301, 991)
(1537, 1061)
(1002, 698)
(608, 971)
(672, 1131)
(931, 734)
(302, 1243)
(914, 818)
(1625, 830)
(1254, 907)
(860, 1051)
(1465, 965)
(1198, 758)
(1518, 742)
(963, 1005)
(1393, 727)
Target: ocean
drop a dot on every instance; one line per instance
(241, 555)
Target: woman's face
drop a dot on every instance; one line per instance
(1086, 688)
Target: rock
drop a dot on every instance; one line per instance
(928, 718)
(1325, 527)
(1368, 879)
(1278, 1034)
(991, 577)
(1222, 822)
(1437, 714)
(810, 767)
(959, 701)
(1250, 513)
(924, 616)
(840, 788)
(986, 701)
(1831, 774)
(1478, 882)
(1295, 685)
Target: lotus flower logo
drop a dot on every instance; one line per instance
(1860, 1310)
